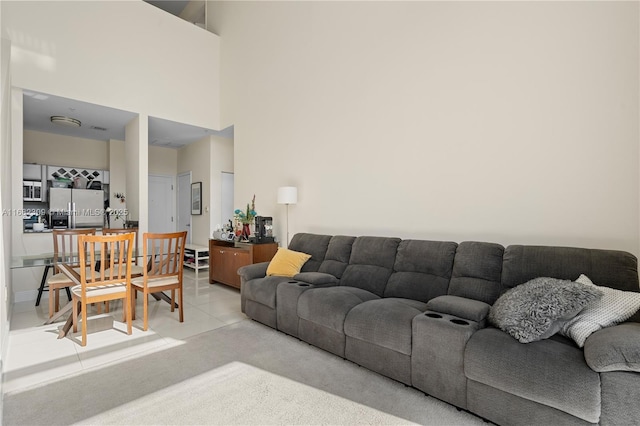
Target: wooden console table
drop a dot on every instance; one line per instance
(225, 257)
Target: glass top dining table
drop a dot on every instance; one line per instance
(47, 260)
(33, 260)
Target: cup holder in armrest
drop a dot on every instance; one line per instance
(431, 315)
(300, 284)
(459, 322)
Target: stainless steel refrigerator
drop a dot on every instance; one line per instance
(84, 207)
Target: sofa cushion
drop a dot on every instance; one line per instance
(337, 257)
(263, 290)
(371, 263)
(314, 244)
(551, 372)
(538, 308)
(477, 271)
(614, 349)
(421, 270)
(329, 306)
(384, 322)
(615, 269)
(613, 307)
(287, 263)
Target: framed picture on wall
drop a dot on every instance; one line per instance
(196, 198)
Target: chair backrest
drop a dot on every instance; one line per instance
(112, 256)
(117, 231)
(165, 253)
(65, 246)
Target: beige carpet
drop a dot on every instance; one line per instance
(244, 373)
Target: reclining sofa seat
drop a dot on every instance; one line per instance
(379, 332)
(258, 292)
(329, 274)
(549, 381)
(441, 333)
(322, 311)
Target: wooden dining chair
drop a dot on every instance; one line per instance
(65, 246)
(165, 254)
(109, 280)
(136, 270)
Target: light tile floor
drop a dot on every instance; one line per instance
(36, 356)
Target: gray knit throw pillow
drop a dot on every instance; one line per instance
(539, 308)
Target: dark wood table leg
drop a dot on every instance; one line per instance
(43, 282)
(161, 296)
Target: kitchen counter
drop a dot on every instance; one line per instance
(47, 230)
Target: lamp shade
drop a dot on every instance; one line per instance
(287, 195)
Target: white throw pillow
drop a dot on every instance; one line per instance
(613, 307)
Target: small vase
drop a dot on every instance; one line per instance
(246, 231)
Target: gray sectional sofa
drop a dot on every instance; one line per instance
(416, 311)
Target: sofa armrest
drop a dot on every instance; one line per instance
(469, 309)
(614, 348)
(255, 270)
(316, 278)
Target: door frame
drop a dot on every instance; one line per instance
(190, 221)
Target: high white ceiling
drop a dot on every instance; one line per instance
(103, 123)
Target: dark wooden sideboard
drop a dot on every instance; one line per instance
(225, 257)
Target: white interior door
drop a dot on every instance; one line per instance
(184, 204)
(161, 204)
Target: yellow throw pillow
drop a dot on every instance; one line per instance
(287, 263)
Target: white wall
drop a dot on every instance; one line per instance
(127, 55)
(512, 122)
(221, 161)
(136, 162)
(163, 161)
(195, 158)
(58, 150)
(117, 181)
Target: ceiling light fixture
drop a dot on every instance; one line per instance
(65, 121)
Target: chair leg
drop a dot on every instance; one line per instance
(51, 309)
(173, 299)
(145, 310)
(134, 296)
(125, 302)
(181, 303)
(83, 307)
(56, 306)
(75, 314)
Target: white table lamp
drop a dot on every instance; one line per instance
(287, 195)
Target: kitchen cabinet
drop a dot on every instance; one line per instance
(32, 172)
(58, 172)
(226, 257)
